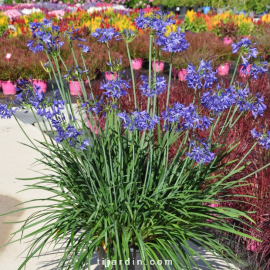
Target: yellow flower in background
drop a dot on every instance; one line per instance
(191, 14)
(3, 20)
(170, 29)
(266, 18)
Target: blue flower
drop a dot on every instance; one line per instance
(45, 107)
(85, 49)
(156, 21)
(128, 35)
(255, 70)
(247, 102)
(105, 35)
(262, 138)
(72, 34)
(96, 106)
(204, 77)
(115, 88)
(84, 143)
(243, 43)
(75, 72)
(201, 152)
(218, 101)
(44, 35)
(155, 88)
(248, 51)
(6, 111)
(138, 120)
(175, 42)
(47, 23)
(184, 118)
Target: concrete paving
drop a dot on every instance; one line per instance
(16, 160)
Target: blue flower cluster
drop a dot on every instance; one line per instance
(255, 70)
(159, 23)
(95, 105)
(46, 35)
(68, 133)
(85, 49)
(263, 138)
(185, 117)
(223, 99)
(247, 102)
(51, 109)
(201, 153)
(219, 101)
(156, 21)
(175, 42)
(155, 88)
(138, 120)
(6, 111)
(105, 34)
(115, 88)
(72, 34)
(75, 72)
(204, 77)
(116, 65)
(248, 52)
(128, 35)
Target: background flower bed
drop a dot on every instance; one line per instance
(222, 25)
(211, 48)
(91, 16)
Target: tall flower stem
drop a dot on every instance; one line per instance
(155, 78)
(169, 83)
(109, 54)
(132, 76)
(237, 63)
(149, 75)
(89, 83)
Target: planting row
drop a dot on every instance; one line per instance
(14, 20)
(258, 6)
(17, 61)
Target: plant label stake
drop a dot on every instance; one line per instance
(8, 56)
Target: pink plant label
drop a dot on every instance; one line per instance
(8, 56)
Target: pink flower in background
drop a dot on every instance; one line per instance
(150, 1)
(58, 13)
(68, 3)
(12, 13)
(140, 2)
(148, 6)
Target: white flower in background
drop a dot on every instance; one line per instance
(28, 11)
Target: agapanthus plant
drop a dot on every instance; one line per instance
(117, 189)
